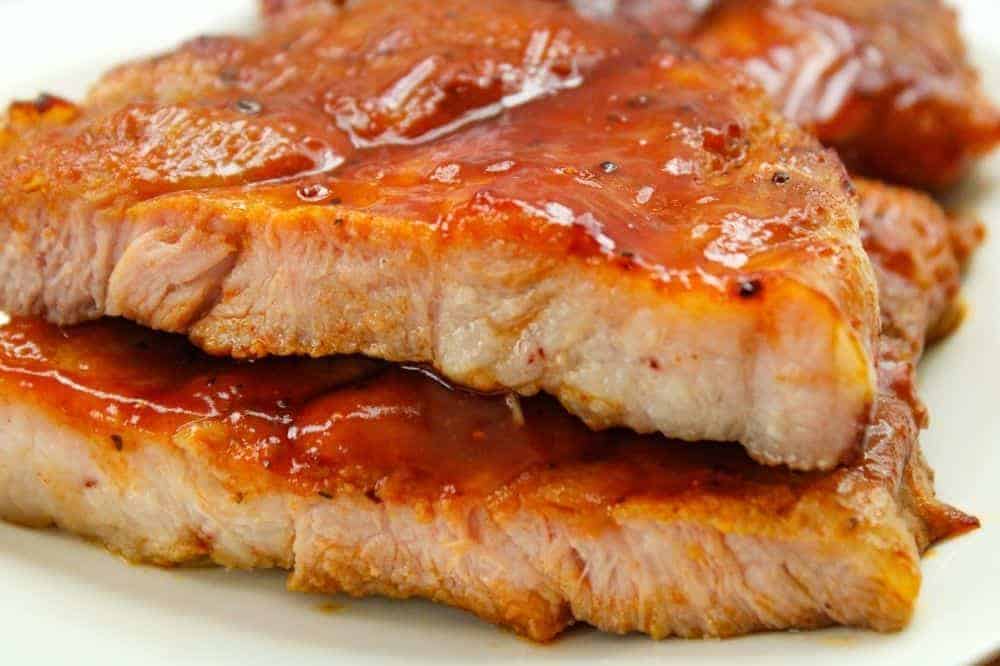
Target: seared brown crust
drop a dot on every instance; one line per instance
(521, 198)
(376, 480)
(885, 82)
(918, 251)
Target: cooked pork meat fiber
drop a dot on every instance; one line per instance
(402, 488)
(368, 479)
(886, 82)
(513, 195)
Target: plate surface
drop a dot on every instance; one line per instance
(70, 601)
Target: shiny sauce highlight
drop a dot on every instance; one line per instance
(320, 426)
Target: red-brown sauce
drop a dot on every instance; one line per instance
(530, 124)
(321, 427)
(885, 82)
(323, 424)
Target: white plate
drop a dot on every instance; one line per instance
(65, 600)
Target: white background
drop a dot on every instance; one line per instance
(67, 601)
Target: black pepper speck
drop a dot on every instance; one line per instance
(750, 288)
(248, 106)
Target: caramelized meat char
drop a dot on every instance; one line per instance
(521, 198)
(372, 479)
(368, 478)
(885, 82)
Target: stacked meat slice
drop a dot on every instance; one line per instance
(517, 197)
(885, 82)
(520, 198)
(370, 479)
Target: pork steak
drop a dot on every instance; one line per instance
(368, 479)
(520, 198)
(365, 479)
(888, 83)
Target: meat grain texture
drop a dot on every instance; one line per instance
(566, 207)
(367, 479)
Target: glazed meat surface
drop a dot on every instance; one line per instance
(918, 252)
(516, 196)
(367, 480)
(466, 507)
(370, 479)
(885, 82)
